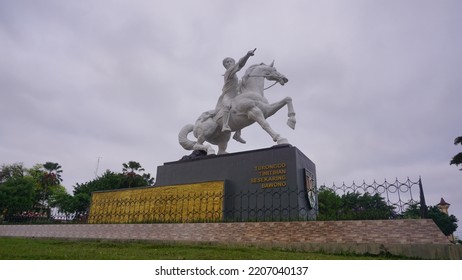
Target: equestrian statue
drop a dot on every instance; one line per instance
(241, 104)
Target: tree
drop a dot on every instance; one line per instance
(457, 159)
(34, 189)
(48, 176)
(14, 170)
(446, 223)
(62, 200)
(81, 203)
(52, 174)
(17, 194)
(329, 204)
(17, 190)
(355, 206)
(82, 192)
(129, 177)
(352, 206)
(412, 211)
(134, 179)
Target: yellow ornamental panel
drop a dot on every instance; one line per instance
(199, 202)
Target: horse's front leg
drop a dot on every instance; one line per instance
(255, 114)
(271, 109)
(291, 113)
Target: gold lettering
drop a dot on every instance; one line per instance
(272, 172)
(270, 166)
(257, 180)
(273, 185)
(270, 175)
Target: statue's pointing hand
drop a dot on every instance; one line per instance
(251, 53)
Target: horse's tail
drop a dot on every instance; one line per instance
(183, 137)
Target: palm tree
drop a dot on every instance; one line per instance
(51, 177)
(131, 167)
(457, 159)
(52, 174)
(130, 170)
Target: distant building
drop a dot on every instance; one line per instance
(444, 206)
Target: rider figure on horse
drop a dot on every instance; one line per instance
(230, 90)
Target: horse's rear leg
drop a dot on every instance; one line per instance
(200, 146)
(222, 148)
(257, 115)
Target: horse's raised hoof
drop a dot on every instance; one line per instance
(291, 123)
(283, 141)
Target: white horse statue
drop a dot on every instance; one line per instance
(246, 108)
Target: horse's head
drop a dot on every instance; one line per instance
(274, 75)
(265, 71)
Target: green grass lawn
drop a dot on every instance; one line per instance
(63, 249)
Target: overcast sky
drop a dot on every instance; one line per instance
(376, 84)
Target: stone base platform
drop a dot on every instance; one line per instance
(271, 184)
(411, 238)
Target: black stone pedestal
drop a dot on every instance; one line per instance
(273, 184)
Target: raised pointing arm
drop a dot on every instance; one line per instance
(243, 60)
